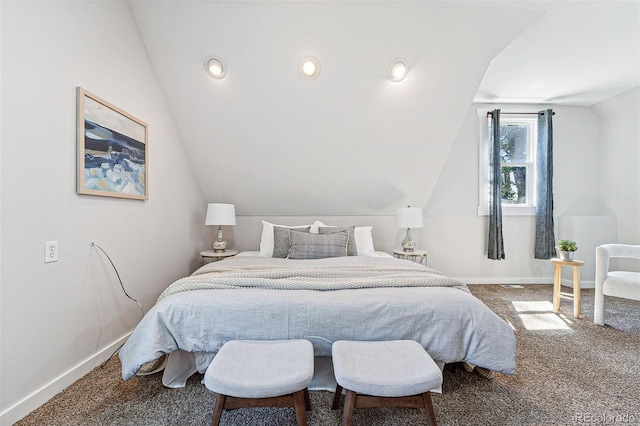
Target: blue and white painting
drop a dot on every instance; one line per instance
(114, 148)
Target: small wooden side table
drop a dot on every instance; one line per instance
(209, 256)
(418, 256)
(557, 282)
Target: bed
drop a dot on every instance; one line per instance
(365, 296)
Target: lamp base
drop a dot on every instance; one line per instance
(408, 244)
(219, 245)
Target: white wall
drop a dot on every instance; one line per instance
(59, 320)
(619, 166)
(456, 237)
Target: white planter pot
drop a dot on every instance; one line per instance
(566, 256)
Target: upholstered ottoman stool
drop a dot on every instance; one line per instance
(249, 373)
(396, 373)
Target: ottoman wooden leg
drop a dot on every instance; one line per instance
(217, 411)
(349, 404)
(299, 404)
(336, 398)
(431, 415)
(307, 400)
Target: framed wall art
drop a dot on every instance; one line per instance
(112, 148)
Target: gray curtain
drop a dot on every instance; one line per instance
(496, 244)
(545, 239)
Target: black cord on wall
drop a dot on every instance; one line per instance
(125, 293)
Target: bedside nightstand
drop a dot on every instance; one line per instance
(209, 256)
(418, 256)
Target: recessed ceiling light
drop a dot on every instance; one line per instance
(398, 69)
(214, 66)
(309, 67)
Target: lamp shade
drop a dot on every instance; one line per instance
(220, 214)
(409, 217)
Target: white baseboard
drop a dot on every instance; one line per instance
(583, 284)
(57, 385)
(476, 280)
(565, 282)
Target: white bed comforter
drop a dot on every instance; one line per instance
(203, 314)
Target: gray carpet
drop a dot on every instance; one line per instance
(568, 372)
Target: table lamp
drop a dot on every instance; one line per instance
(409, 217)
(220, 214)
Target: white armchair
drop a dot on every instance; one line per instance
(625, 284)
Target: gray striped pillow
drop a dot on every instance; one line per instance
(281, 240)
(352, 249)
(317, 246)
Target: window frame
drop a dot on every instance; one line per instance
(530, 118)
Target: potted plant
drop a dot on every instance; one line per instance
(566, 249)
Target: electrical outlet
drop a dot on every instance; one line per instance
(50, 251)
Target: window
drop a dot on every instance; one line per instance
(518, 137)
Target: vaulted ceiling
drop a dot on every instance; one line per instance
(576, 53)
(351, 141)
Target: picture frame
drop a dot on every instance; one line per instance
(112, 150)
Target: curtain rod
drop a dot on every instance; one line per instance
(490, 113)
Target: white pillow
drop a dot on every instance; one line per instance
(314, 228)
(364, 241)
(266, 240)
